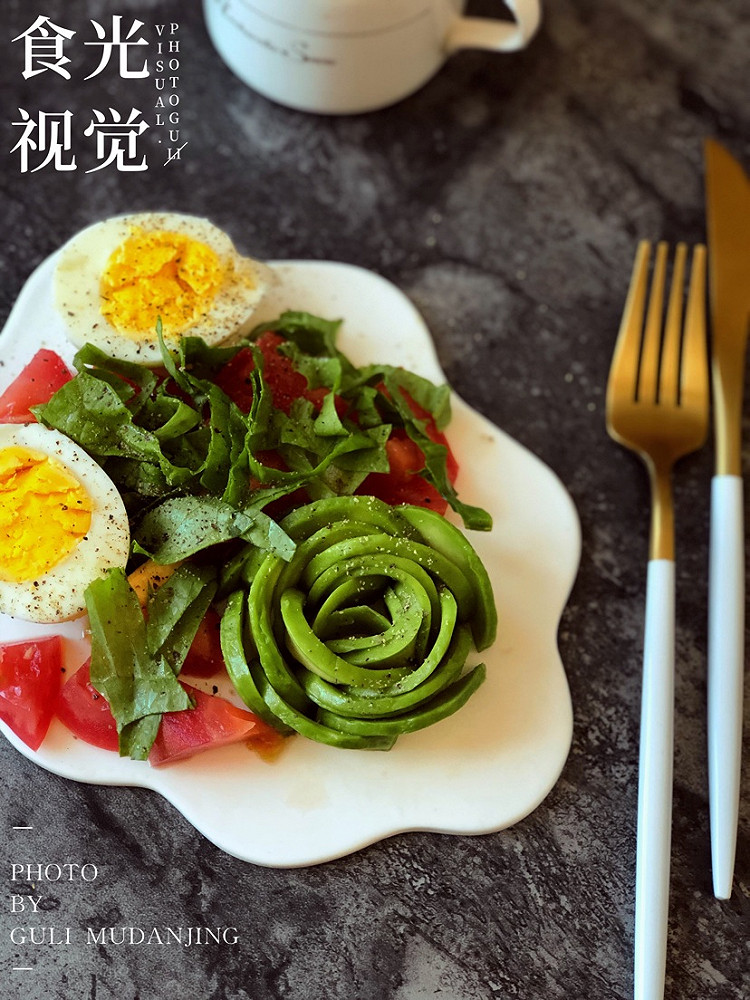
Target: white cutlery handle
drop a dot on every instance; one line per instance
(655, 784)
(726, 632)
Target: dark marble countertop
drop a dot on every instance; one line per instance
(505, 199)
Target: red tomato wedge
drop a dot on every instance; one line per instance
(214, 722)
(204, 657)
(234, 379)
(85, 712)
(451, 464)
(37, 383)
(284, 381)
(403, 484)
(30, 672)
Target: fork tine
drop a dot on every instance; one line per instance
(669, 387)
(694, 362)
(648, 379)
(628, 344)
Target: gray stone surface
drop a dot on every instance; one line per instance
(505, 199)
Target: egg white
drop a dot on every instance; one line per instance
(58, 594)
(83, 261)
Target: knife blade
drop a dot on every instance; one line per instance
(728, 229)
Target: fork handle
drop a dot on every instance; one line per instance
(655, 784)
(726, 632)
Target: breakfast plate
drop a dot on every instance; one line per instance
(478, 771)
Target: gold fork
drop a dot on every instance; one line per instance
(657, 405)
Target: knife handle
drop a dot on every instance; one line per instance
(726, 633)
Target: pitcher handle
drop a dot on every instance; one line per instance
(499, 36)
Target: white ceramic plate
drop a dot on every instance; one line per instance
(479, 771)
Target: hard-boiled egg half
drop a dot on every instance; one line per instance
(117, 279)
(62, 524)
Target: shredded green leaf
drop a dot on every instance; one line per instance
(138, 686)
(183, 526)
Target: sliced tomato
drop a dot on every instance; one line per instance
(37, 383)
(85, 712)
(204, 657)
(234, 379)
(284, 381)
(214, 722)
(451, 464)
(402, 483)
(286, 384)
(30, 673)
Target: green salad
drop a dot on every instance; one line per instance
(301, 500)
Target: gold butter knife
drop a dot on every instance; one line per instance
(728, 225)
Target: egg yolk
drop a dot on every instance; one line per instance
(159, 275)
(44, 513)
